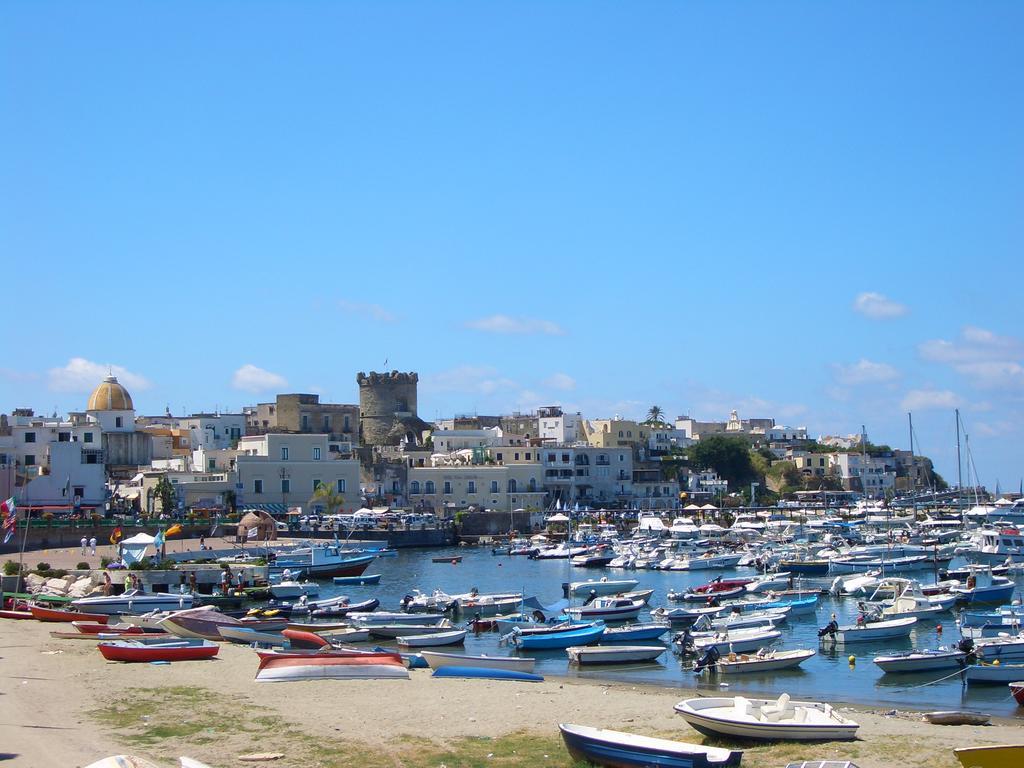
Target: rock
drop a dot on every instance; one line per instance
(56, 586)
(34, 582)
(81, 588)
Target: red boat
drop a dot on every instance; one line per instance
(177, 650)
(330, 666)
(721, 585)
(1017, 689)
(41, 613)
(94, 628)
(5, 614)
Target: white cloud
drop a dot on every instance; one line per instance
(373, 311)
(925, 399)
(475, 379)
(249, 378)
(864, 372)
(988, 360)
(562, 381)
(516, 325)
(81, 375)
(878, 306)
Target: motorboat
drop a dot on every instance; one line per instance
(885, 565)
(738, 641)
(709, 560)
(384, 617)
(984, 587)
(922, 661)
(765, 660)
(632, 633)
(706, 597)
(731, 621)
(685, 616)
(857, 585)
(1003, 648)
(766, 719)
(995, 756)
(615, 749)
(868, 631)
(291, 589)
(601, 587)
(994, 674)
(323, 562)
(133, 601)
(162, 650)
(358, 581)
(608, 609)
(613, 654)
(433, 639)
(769, 581)
(437, 660)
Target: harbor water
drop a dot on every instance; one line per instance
(828, 676)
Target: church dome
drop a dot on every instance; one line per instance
(110, 396)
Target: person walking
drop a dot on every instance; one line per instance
(92, 545)
(85, 543)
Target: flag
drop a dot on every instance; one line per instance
(117, 535)
(174, 530)
(158, 540)
(10, 518)
(251, 533)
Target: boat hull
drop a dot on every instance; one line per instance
(625, 654)
(920, 662)
(130, 652)
(433, 640)
(488, 674)
(623, 750)
(513, 663)
(42, 613)
(558, 640)
(358, 580)
(772, 664)
(713, 725)
(1004, 756)
(318, 666)
(1017, 689)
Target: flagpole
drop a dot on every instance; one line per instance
(24, 535)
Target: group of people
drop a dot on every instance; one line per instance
(89, 544)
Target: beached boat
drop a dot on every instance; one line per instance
(996, 756)
(432, 640)
(766, 719)
(330, 666)
(766, 660)
(133, 601)
(615, 749)
(869, 631)
(957, 717)
(10, 613)
(921, 661)
(1017, 689)
(632, 633)
(994, 674)
(563, 636)
(43, 613)
(169, 650)
(358, 580)
(122, 761)
(247, 636)
(613, 654)
(488, 673)
(437, 660)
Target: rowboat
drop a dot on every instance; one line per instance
(996, 756)
(340, 610)
(702, 597)
(18, 615)
(994, 674)
(766, 719)
(249, 636)
(452, 560)
(42, 613)
(122, 761)
(613, 654)
(94, 628)
(358, 580)
(456, 637)
(957, 718)
(871, 630)
(175, 650)
(615, 749)
(329, 666)
(487, 673)
(346, 636)
(921, 661)
(768, 661)
(1017, 689)
(437, 660)
(563, 637)
(388, 631)
(631, 633)
(384, 617)
(319, 626)
(683, 616)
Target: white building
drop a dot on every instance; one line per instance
(707, 482)
(74, 480)
(588, 475)
(556, 426)
(785, 434)
(498, 487)
(868, 474)
(214, 431)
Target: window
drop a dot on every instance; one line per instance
(565, 458)
(494, 486)
(305, 422)
(517, 455)
(79, 491)
(118, 422)
(316, 453)
(527, 456)
(257, 486)
(340, 485)
(512, 485)
(429, 488)
(471, 486)
(327, 423)
(628, 434)
(447, 488)
(30, 437)
(211, 464)
(551, 458)
(284, 453)
(414, 486)
(286, 486)
(30, 460)
(499, 457)
(533, 484)
(87, 437)
(90, 458)
(63, 437)
(620, 433)
(345, 425)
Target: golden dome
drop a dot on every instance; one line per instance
(110, 396)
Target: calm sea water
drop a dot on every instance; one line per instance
(828, 676)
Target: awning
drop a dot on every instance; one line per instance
(274, 509)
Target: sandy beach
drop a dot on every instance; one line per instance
(63, 705)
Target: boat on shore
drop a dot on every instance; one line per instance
(766, 719)
(283, 667)
(957, 717)
(996, 756)
(134, 601)
(438, 660)
(1017, 689)
(158, 650)
(44, 613)
(615, 749)
(434, 639)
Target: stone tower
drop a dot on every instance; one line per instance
(387, 407)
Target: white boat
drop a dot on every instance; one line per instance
(765, 660)
(731, 621)
(287, 590)
(921, 661)
(398, 630)
(601, 587)
(861, 584)
(766, 720)
(437, 660)
(909, 601)
(456, 637)
(769, 581)
(995, 674)
(382, 617)
(738, 641)
(133, 601)
(1004, 648)
(707, 561)
(871, 630)
(247, 636)
(613, 654)
(608, 609)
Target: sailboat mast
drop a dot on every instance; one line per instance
(959, 471)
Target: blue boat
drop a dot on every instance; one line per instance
(360, 580)
(628, 750)
(557, 637)
(634, 633)
(795, 604)
(488, 673)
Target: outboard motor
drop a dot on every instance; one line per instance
(966, 645)
(829, 629)
(590, 597)
(709, 659)
(405, 602)
(684, 640)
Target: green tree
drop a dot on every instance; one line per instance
(654, 415)
(165, 492)
(728, 456)
(327, 495)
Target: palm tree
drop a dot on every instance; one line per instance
(328, 495)
(654, 414)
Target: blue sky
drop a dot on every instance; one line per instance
(811, 211)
